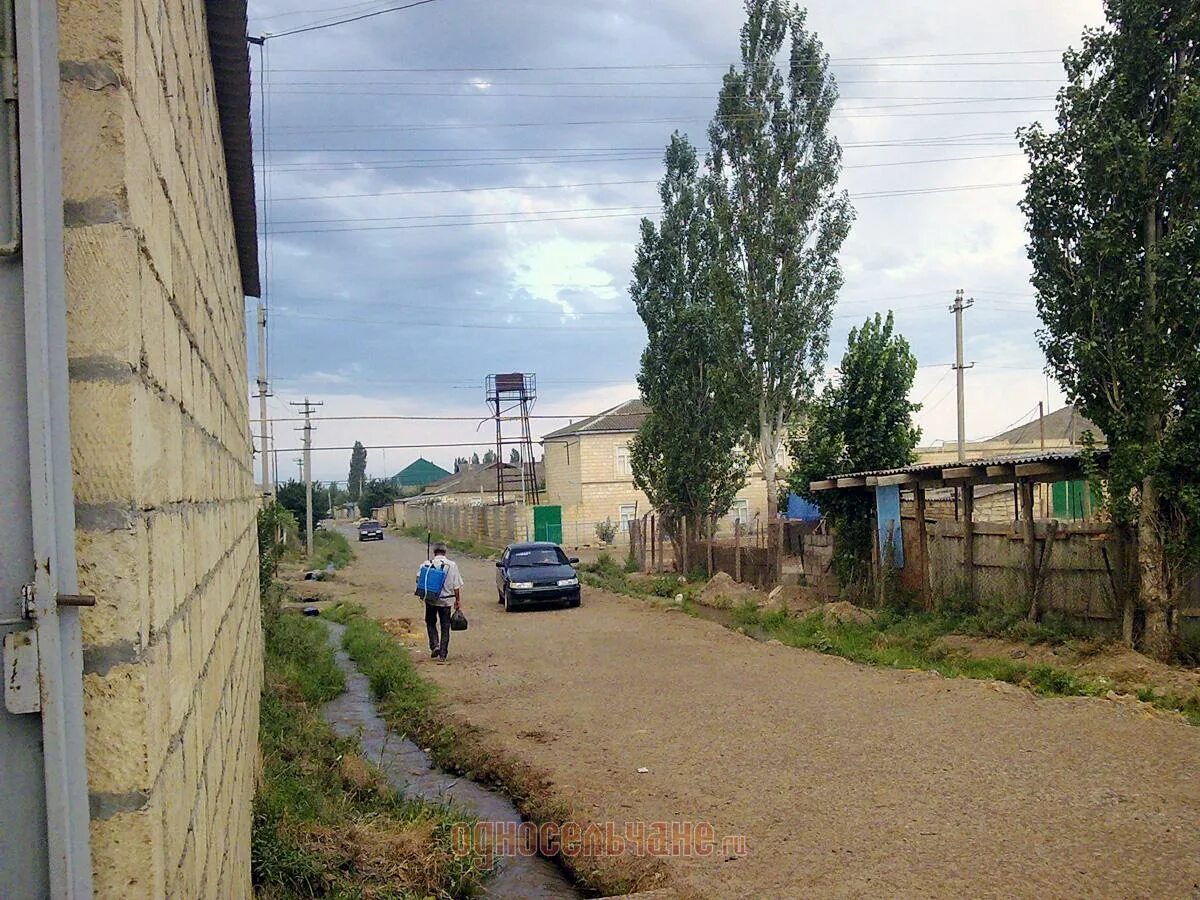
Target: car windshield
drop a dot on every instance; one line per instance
(369, 525)
(537, 556)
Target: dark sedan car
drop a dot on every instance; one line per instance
(536, 573)
(370, 531)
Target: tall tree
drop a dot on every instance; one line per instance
(1113, 207)
(780, 220)
(861, 421)
(358, 470)
(685, 470)
(376, 492)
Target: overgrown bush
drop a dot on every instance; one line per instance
(606, 531)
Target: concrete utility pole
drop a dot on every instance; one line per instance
(268, 488)
(957, 309)
(307, 408)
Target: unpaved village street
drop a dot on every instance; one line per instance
(845, 780)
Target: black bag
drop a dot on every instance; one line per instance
(458, 622)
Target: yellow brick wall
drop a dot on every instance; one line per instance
(161, 450)
(590, 489)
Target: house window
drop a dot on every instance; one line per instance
(623, 469)
(627, 512)
(740, 511)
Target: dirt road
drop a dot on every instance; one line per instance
(844, 780)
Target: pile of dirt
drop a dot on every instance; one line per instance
(1131, 669)
(841, 612)
(792, 599)
(722, 592)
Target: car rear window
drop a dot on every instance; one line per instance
(537, 556)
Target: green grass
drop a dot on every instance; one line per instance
(471, 548)
(326, 822)
(910, 642)
(331, 548)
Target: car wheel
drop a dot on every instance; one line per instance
(574, 602)
(509, 605)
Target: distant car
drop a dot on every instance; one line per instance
(370, 531)
(536, 573)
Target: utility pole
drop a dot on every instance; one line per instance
(307, 408)
(268, 489)
(959, 306)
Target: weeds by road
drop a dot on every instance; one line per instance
(410, 706)
(910, 641)
(330, 548)
(326, 822)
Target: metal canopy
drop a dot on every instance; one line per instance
(1049, 466)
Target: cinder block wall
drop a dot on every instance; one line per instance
(162, 456)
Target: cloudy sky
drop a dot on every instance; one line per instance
(454, 189)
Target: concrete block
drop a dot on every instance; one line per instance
(115, 720)
(126, 857)
(102, 439)
(110, 568)
(93, 130)
(101, 278)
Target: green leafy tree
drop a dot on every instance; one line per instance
(358, 470)
(686, 471)
(780, 220)
(291, 496)
(861, 421)
(1113, 208)
(376, 492)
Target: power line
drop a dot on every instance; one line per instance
(539, 219)
(671, 120)
(484, 418)
(911, 58)
(345, 21)
(585, 209)
(580, 184)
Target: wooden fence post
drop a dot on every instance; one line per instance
(968, 508)
(711, 526)
(683, 544)
(1030, 546)
(922, 548)
(1043, 574)
(737, 550)
(653, 536)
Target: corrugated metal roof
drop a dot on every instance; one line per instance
(231, 80)
(1002, 460)
(624, 418)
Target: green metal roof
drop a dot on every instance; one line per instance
(419, 474)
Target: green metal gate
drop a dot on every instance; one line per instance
(547, 524)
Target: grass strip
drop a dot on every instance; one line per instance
(909, 641)
(411, 706)
(331, 548)
(326, 822)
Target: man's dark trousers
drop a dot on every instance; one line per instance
(435, 616)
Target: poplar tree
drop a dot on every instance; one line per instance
(779, 219)
(1113, 208)
(686, 457)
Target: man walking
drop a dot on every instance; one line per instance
(437, 612)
